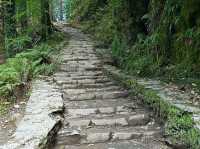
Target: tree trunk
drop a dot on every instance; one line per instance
(10, 20)
(2, 39)
(61, 10)
(23, 13)
(45, 19)
(51, 11)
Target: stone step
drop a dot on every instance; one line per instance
(102, 111)
(86, 81)
(110, 120)
(93, 90)
(104, 134)
(88, 77)
(94, 68)
(86, 85)
(61, 81)
(151, 126)
(86, 90)
(130, 144)
(91, 63)
(97, 95)
(84, 63)
(125, 102)
(86, 73)
(77, 68)
(69, 77)
(81, 75)
(78, 52)
(78, 58)
(67, 59)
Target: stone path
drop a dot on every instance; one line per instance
(40, 121)
(99, 113)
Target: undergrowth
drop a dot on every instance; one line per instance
(161, 38)
(179, 125)
(23, 67)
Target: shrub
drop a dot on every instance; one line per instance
(26, 65)
(12, 74)
(16, 45)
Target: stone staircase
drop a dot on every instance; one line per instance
(99, 113)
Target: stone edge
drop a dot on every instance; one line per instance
(55, 115)
(120, 76)
(109, 69)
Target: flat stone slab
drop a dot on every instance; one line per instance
(39, 119)
(114, 121)
(126, 136)
(118, 145)
(75, 113)
(98, 137)
(139, 119)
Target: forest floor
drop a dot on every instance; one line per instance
(10, 116)
(10, 120)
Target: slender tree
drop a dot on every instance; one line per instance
(61, 10)
(22, 11)
(51, 10)
(10, 19)
(45, 19)
(2, 49)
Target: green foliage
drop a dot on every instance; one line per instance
(143, 62)
(3, 107)
(177, 43)
(12, 74)
(177, 122)
(19, 70)
(41, 58)
(118, 47)
(83, 10)
(25, 23)
(163, 36)
(16, 45)
(179, 125)
(180, 128)
(107, 18)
